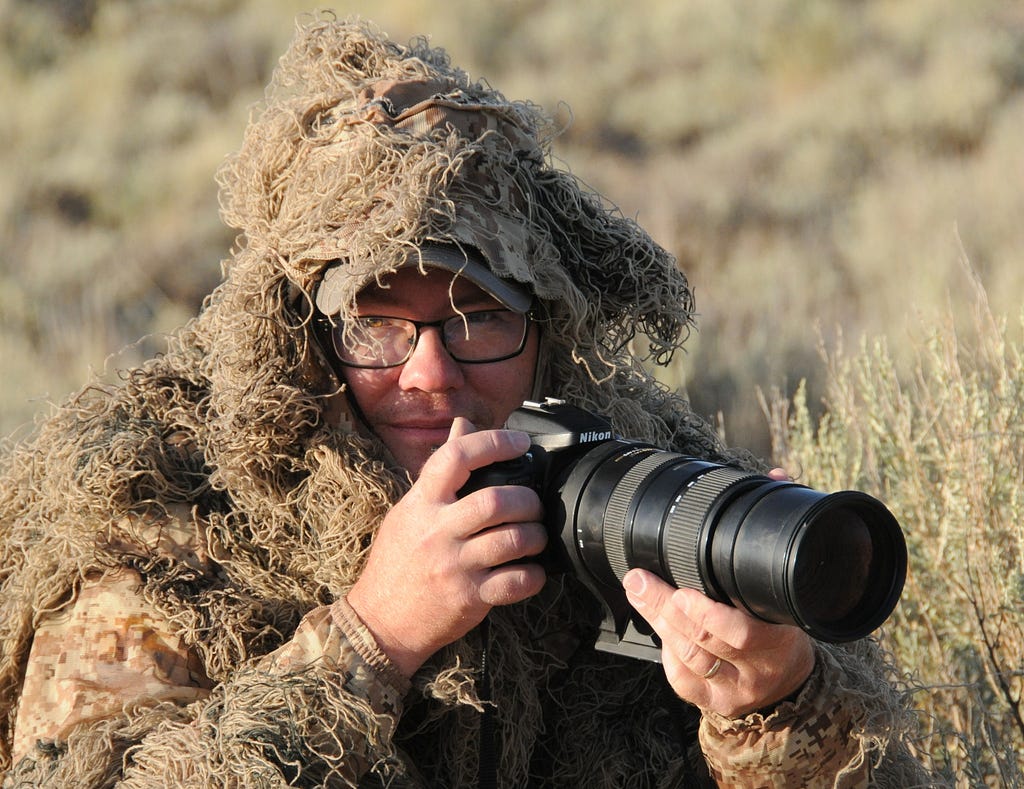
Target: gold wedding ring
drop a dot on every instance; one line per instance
(713, 670)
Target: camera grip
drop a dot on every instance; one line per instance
(518, 471)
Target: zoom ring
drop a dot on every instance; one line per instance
(617, 510)
(683, 531)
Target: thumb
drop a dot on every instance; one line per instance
(461, 427)
(645, 591)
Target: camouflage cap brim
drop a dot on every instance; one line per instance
(463, 261)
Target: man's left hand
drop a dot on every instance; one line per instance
(718, 657)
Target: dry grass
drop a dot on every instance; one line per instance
(943, 445)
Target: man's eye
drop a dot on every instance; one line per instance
(372, 322)
(485, 317)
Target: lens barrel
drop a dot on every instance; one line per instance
(832, 564)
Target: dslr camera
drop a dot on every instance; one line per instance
(833, 564)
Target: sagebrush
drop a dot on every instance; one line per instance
(943, 444)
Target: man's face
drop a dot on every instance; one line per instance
(411, 407)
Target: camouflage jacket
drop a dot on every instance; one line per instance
(110, 650)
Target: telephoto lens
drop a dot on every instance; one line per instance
(832, 564)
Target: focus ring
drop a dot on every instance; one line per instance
(683, 531)
(625, 492)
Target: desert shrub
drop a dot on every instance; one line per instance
(943, 445)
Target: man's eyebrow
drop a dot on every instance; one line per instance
(380, 302)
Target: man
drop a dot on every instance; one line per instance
(253, 564)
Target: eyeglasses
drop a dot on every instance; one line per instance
(380, 341)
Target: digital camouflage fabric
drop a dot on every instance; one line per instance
(224, 483)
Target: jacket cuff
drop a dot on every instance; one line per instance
(362, 641)
(334, 639)
(806, 741)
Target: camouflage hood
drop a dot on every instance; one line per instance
(224, 471)
(364, 149)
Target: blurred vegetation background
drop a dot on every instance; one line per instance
(942, 442)
(831, 174)
(812, 163)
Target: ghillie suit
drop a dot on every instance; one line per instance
(222, 488)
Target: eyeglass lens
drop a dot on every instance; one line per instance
(383, 341)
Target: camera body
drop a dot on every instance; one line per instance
(562, 434)
(833, 564)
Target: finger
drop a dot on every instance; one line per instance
(511, 583)
(492, 505)
(761, 662)
(780, 475)
(499, 545)
(665, 608)
(719, 627)
(447, 470)
(646, 592)
(653, 600)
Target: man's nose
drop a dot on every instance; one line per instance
(431, 368)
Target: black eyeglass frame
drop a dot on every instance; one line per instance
(332, 328)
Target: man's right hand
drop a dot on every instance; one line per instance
(439, 563)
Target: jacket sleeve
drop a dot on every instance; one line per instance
(111, 691)
(843, 730)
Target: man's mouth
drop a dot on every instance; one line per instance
(434, 432)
